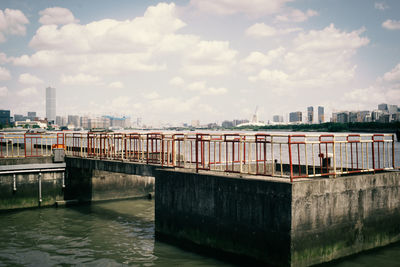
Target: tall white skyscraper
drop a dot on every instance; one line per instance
(51, 104)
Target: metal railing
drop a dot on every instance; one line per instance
(279, 155)
(22, 145)
(291, 156)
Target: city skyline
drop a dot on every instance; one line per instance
(199, 60)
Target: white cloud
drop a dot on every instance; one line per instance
(30, 91)
(120, 102)
(258, 58)
(79, 79)
(57, 15)
(215, 91)
(260, 30)
(3, 91)
(276, 77)
(296, 15)
(209, 58)
(317, 59)
(152, 95)
(4, 74)
(381, 5)
(391, 24)
(116, 85)
(249, 7)
(174, 105)
(196, 86)
(204, 90)
(12, 21)
(3, 58)
(392, 76)
(330, 39)
(145, 43)
(177, 81)
(27, 78)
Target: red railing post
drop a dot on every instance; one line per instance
(290, 158)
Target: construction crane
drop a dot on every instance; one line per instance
(255, 117)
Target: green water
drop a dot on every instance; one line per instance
(113, 234)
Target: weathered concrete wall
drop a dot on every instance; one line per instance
(93, 180)
(332, 218)
(300, 224)
(33, 160)
(27, 193)
(243, 216)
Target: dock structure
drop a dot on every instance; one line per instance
(284, 200)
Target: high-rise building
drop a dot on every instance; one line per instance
(73, 120)
(321, 117)
(19, 117)
(343, 117)
(31, 115)
(295, 116)
(310, 114)
(51, 104)
(277, 118)
(4, 117)
(383, 107)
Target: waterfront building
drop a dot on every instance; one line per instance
(321, 117)
(277, 118)
(51, 104)
(19, 117)
(195, 123)
(73, 120)
(32, 115)
(383, 107)
(227, 124)
(342, 117)
(310, 114)
(5, 117)
(296, 116)
(85, 124)
(61, 121)
(353, 116)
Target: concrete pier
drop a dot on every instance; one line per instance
(277, 222)
(30, 182)
(94, 180)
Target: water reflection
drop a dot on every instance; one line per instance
(113, 234)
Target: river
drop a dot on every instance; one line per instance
(118, 233)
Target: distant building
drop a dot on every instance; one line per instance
(227, 124)
(85, 124)
(73, 120)
(195, 123)
(19, 117)
(51, 104)
(342, 117)
(277, 118)
(212, 125)
(32, 115)
(61, 121)
(383, 107)
(353, 116)
(364, 116)
(5, 117)
(310, 114)
(321, 116)
(295, 116)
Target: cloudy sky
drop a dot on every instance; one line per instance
(200, 59)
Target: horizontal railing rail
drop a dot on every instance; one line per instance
(291, 156)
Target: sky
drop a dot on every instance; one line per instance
(208, 60)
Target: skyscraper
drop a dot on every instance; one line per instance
(321, 118)
(51, 104)
(310, 114)
(295, 116)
